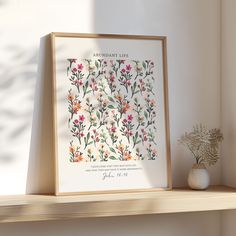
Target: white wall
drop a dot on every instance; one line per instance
(228, 107)
(193, 30)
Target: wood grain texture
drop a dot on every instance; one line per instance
(43, 207)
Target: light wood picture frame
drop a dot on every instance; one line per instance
(110, 108)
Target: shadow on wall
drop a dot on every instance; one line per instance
(17, 84)
(40, 176)
(2, 3)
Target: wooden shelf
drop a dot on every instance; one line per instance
(42, 207)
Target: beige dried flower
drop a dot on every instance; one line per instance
(203, 144)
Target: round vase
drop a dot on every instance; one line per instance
(198, 177)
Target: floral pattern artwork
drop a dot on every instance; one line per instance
(112, 110)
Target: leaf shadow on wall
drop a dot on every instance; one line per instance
(16, 94)
(2, 3)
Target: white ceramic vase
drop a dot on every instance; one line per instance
(198, 177)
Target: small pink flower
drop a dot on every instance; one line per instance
(154, 152)
(97, 139)
(113, 129)
(130, 117)
(77, 82)
(74, 70)
(122, 61)
(81, 118)
(82, 134)
(107, 153)
(76, 121)
(123, 70)
(112, 78)
(80, 82)
(125, 120)
(128, 67)
(128, 83)
(80, 66)
(152, 102)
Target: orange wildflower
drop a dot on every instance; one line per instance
(72, 149)
(77, 106)
(105, 102)
(126, 107)
(121, 147)
(128, 156)
(78, 157)
(90, 68)
(70, 97)
(119, 97)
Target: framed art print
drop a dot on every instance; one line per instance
(110, 107)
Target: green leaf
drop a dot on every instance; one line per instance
(145, 114)
(88, 136)
(112, 150)
(86, 85)
(98, 115)
(111, 99)
(112, 158)
(92, 142)
(111, 106)
(96, 64)
(144, 65)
